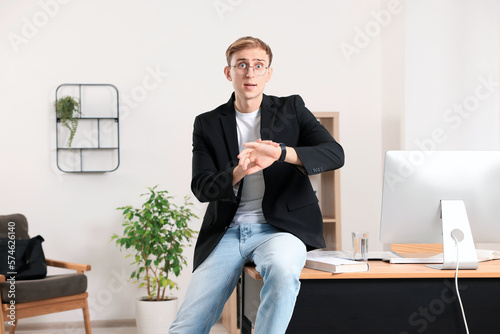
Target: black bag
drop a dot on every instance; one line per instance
(22, 259)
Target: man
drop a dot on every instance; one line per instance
(251, 161)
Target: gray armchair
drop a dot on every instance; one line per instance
(54, 293)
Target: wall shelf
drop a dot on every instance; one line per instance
(96, 145)
(329, 189)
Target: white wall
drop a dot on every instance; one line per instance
(345, 56)
(452, 75)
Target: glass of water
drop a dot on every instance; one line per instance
(360, 246)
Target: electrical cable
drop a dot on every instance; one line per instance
(456, 288)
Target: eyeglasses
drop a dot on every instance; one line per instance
(243, 68)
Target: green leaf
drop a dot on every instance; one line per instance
(156, 235)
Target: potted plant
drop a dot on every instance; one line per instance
(156, 233)
(68, 112)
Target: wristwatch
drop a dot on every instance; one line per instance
(283, 152)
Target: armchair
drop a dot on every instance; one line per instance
(54, 293)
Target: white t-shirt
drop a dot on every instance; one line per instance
(250, 208)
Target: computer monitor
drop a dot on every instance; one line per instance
(451, 197)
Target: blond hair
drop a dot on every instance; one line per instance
(248, 42)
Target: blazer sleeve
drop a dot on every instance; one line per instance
(317, 149)
(209, 183)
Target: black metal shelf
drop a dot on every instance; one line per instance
(87, 148)
(76, 159)
(93, 118)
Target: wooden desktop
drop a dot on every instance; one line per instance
(389, 298)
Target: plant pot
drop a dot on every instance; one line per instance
(155, 317)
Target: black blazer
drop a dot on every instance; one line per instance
(289, 201)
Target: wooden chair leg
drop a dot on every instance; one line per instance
(2, 325)
(86, 318)
(12, 329)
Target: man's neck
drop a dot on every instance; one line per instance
(248, 105)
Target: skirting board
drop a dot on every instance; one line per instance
(76, 324)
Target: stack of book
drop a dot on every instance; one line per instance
(329, 261)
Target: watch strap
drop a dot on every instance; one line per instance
(283, 152)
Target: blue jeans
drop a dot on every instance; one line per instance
(278, 256)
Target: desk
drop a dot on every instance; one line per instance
(399, 299)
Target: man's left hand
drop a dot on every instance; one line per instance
(258, 155)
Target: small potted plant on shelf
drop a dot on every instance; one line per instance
(156, 233)
(68, 113)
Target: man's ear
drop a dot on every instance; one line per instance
(269, 74)
(227, 73)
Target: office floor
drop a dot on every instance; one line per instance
(217, 329)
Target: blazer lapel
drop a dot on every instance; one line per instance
(267, 118)
(228, 124)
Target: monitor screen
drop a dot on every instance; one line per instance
(415, 182)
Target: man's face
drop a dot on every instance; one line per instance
(247, 84)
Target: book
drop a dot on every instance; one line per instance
(416, 260)
(482, 255)
(327, 262)
(487, 254)
(372, 255)
(382, 255)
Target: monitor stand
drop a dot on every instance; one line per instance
(456, 225)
